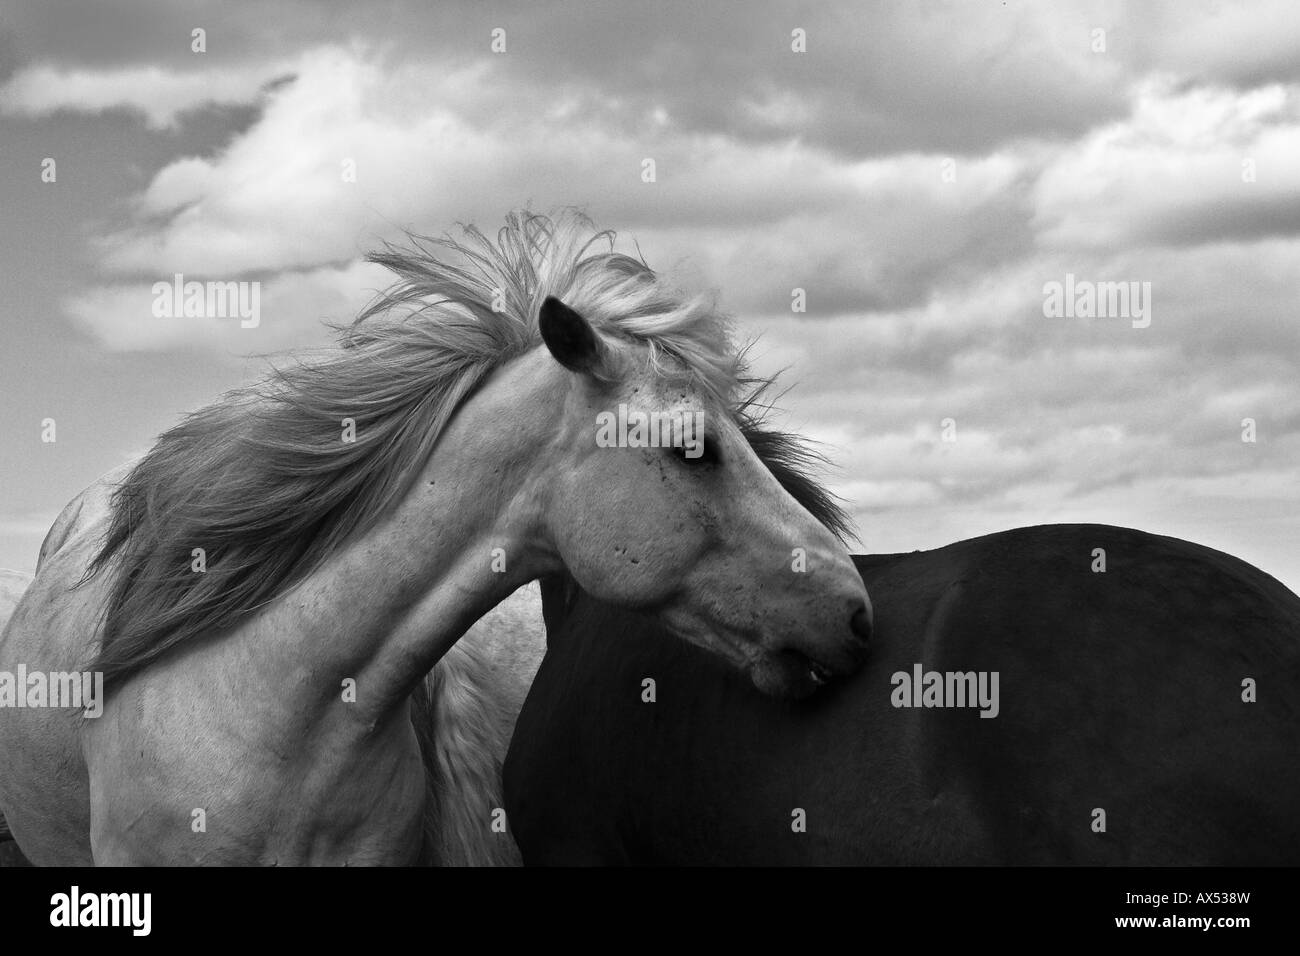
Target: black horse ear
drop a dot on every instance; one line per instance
(570, 337)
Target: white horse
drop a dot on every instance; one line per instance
(265, 591)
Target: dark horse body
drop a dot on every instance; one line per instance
(1120, 690)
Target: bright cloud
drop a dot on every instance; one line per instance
(159, 95)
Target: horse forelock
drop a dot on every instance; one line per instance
(261, 486)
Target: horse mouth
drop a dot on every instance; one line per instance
(799, 674)
(816, 671)
(785, 673)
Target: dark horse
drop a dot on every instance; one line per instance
(1147, 714)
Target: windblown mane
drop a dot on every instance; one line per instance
(792, 460)
(262, 480)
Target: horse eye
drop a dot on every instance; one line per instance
(702, 454)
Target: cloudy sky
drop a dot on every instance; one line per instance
(921, 170)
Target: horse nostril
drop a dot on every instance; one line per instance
(860, 624)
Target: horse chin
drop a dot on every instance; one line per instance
(788, 675)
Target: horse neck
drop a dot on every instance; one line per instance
(390, 604)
